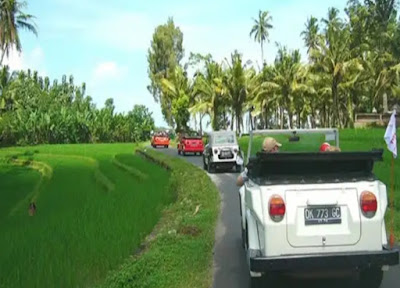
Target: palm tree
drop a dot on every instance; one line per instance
(260, 29)
(209, 87)
(310, 33)
(334, 57)
(12, 19)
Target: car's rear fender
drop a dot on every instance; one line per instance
(242, 207)
(254, 214)
(252, 231)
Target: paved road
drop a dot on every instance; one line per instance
(230, 267)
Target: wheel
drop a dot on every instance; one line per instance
(243, 238)
(166, 146)
(371, 278)
(210, 167)
(257, 282)
(183, 153)
(204, 164)
(179, 152)
(238, 168)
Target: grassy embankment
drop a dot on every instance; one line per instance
(349, 140)
(179, 253)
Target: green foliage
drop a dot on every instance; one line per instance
(352, 68)
(35, 112)
(179, 253)
(164, 55)
(12, 19)
(260, 30)
(80, 230)
(180, 112)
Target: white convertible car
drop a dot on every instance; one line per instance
(222, 152)
(314, 212)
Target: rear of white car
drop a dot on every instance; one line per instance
(308, 223)
(222, 151)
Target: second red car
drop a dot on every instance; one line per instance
(191, 142)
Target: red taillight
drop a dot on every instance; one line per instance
(277, 208)
(368, 204)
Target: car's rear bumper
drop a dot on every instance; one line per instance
(193, 149)
(325, 261)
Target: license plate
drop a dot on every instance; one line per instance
(322, 215)
(226, 153)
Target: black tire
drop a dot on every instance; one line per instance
(257, 282)
(166, 146)
(210, 168)
(371, 278)
(243, 238)
(183, 153)
(204, 164)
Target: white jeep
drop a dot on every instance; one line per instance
(314, 212)
(222, 152)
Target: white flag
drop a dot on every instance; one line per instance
(390, 135)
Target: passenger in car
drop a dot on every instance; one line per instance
(270, 145)
(326, 147)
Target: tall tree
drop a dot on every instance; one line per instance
(260, 30)
(178, 89)
(310, 34)
(164, 55)
(13, 19)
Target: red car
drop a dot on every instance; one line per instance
(160, 139)
(190, 143)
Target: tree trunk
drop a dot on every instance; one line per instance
(3, 52)
(312, 117)
(232, 120)
(201, 124)
(282, 116)
(215, 120)
(385, 103)
(262, 55)
(298, 121)
(251, 121)
(290, 119)
(195, 122)
(266, 118)
(336, 117)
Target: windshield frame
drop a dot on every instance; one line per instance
(225, 135)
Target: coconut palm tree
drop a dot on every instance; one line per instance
(260, 30)
(310, 33)
(13, 19)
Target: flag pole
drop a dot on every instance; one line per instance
(391, 142)
(392, 238)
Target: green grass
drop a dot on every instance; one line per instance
(349, 140)
(179, 253)
(91, 213)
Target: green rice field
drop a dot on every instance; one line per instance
(94, 206)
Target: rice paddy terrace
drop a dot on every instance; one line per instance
(71, 213)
